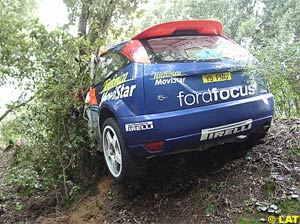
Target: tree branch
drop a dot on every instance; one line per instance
(15, 107)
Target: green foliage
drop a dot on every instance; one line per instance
(15, 58)
(8, 133)
(49, 128)
(290, 207)
(247, 220)
(269, 188)
(280, 17)
(1, 196)
(125, 20)
(280, 61)
(230, 13)
(295, 152)
(51, 67)
(104, 21)
(27, 178)
(18, 206)
(210, 209)
(110, 195)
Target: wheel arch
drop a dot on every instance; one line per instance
(104, 113)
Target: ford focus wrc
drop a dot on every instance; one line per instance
(176, 86)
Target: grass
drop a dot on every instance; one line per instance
(294, 152)
(247, 220)
(290, 207)
(210, 209)
(269, 189)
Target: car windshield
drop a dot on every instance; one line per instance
(195, 48)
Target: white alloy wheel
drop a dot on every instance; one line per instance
(112, 151)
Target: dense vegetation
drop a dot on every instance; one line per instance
(51, 67)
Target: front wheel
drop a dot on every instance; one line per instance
(121, 164)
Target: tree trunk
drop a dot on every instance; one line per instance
(99, 25)
(83, 19)
(90, 167)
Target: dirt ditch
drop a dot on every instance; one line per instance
(227, 184)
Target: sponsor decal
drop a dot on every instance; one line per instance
(120, 92)
(214, 95)
(112, 83)
(142, 126)
(165, 78)
(163, 75)
(161, 82)
(221, 131)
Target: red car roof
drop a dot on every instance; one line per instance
(205, 27)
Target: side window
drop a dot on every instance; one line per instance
(109, 64)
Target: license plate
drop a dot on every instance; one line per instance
(218, 77)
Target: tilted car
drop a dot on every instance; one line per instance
(176, 86)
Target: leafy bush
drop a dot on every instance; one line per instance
(280, 60)
(50, 128)
(26, 178)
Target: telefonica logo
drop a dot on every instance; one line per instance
(215, 94)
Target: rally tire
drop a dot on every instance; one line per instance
(122, 165)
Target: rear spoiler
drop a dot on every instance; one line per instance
(202, 27)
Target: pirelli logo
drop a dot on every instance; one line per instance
(230, 129)
(142, 126)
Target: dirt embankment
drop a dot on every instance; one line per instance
(228, 184)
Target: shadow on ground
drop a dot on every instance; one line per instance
(169, 173)
(168, 192)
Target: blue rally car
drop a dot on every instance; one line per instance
(176, 86)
